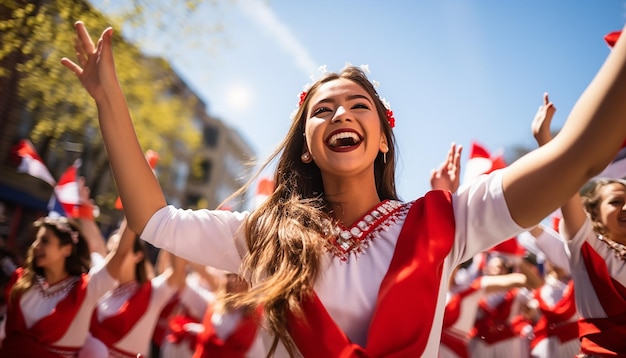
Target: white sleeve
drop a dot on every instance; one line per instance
(196, 300)
(162, 292)
(100, 281)
(482, 218)
(209, 237)
(97, 259)
(553, 247)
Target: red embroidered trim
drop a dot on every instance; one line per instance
(356, 239)
(126, 289)
(59, 288)
(64, 352)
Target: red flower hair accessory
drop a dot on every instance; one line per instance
(302, 97)
(391, 119)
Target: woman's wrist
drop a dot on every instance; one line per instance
(85, 212)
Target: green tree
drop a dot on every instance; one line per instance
(34, 36)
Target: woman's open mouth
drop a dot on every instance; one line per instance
(343, 140)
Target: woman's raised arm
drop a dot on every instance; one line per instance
(541, 181)
(139, 189)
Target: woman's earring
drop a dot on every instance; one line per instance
(305, 157)
(385, 149)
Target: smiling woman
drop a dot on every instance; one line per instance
(49, 295)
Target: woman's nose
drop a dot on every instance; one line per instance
(340, 114)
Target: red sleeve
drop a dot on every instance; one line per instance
(14, 277)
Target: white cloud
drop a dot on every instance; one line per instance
(262, 15)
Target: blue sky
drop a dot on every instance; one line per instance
(457, 71)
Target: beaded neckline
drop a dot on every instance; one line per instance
(618, 248)
(356, 239)
(125, 289)
(59, 288)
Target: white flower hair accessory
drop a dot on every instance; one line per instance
(323, 71)
(62, 224)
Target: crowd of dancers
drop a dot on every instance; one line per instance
(333, 264)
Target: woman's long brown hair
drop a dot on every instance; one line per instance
(288, 233)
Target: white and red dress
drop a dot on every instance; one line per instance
(125, 318)
(498, 327)
(53, 321)
(197, 331)
(233, 334)
(458, 319)
(184, 320)
(556, 331)
(600, 288)
(390, 268)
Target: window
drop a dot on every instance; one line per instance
(210, 135)
(206, 166)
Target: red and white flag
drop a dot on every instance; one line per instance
(265, 188)
(31, 163)
(611, 38)
(65, 197)
(509, 247)
(481, 162)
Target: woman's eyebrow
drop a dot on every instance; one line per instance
(350, 97)
(357, 96)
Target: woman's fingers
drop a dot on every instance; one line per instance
(72, 66)
(84, 39)
(80, 55)
(104, 45)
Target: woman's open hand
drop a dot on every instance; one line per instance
(95, 68)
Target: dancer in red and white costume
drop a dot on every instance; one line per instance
(200, 284)
(333, 243)
(556, 328)
(594, 229)
(598, 263)
(467, 288)
(125, 317)
(552, 306)
(498, 328)
(52, 297)
(185, 320)
(461, 307)
(230, 332)
(203, 329)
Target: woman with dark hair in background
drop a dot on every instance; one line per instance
(51, 298)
